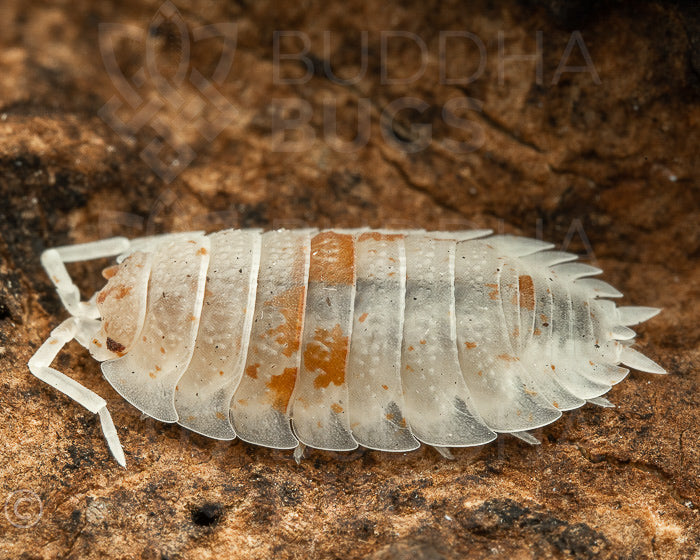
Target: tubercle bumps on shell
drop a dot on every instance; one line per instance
(336, 339)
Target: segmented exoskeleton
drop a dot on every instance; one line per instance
(335, 339)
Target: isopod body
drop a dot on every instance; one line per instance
(340, 338)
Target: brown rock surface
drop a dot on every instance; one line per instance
(609, 169)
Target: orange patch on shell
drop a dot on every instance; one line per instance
(327, 353)
(281, 387)
(332, 258)
(290, 304)
(493, 294)
(527, 292)
(118, 291)
(252, 371)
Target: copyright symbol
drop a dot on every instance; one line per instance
(23, 509)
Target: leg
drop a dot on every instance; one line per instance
(53, 262)
(40, 363)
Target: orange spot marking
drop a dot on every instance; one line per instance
(527, 292)
(243, 402)
(385, 387)
(202, 251)
(53, 341)
(422, 341)
(117, 291)
(143, 338)
(411, 348)
(537, 332)
(556, 404)
(508, 358)
(409, 368)
(327, 353)
(376, 236)
(516, 332)
(193, 318)
(332, 258)
(220, 416)
(290, 304)
(553, 367)
(470, 345)
(110, 271)
(221, 372)
(162, 350)
(335, 407)
(591, 362)
(389, 417)
(190, 241)
(362, 317)
(493, 294)
(530, 392)
(151, 374)
(252, 371)
(157, 368)
(281, 387)
(97, 343)
(480, 373)
(543, 317)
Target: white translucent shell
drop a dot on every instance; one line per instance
(336, 339)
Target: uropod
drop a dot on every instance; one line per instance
(337, 338)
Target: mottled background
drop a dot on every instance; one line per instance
(126, 117)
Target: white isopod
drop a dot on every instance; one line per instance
(341, 338)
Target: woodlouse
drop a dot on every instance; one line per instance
(337, 338)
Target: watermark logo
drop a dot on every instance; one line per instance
(23, 509)
(178, 107)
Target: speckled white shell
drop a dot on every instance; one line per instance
(343, 338)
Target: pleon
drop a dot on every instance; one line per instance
(148, 374)
(514, 246)
(496, 379)
(204, 392)
(567, 355)
(259, 409)
(319, 404)
(536, 299)
(631, 315)
(376, 406)
(639, 361)
(439, 408)
(545, 259)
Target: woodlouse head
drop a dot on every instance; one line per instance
(122, 307)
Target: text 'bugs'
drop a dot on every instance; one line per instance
(341, 338)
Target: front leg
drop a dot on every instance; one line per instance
(40, 366)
